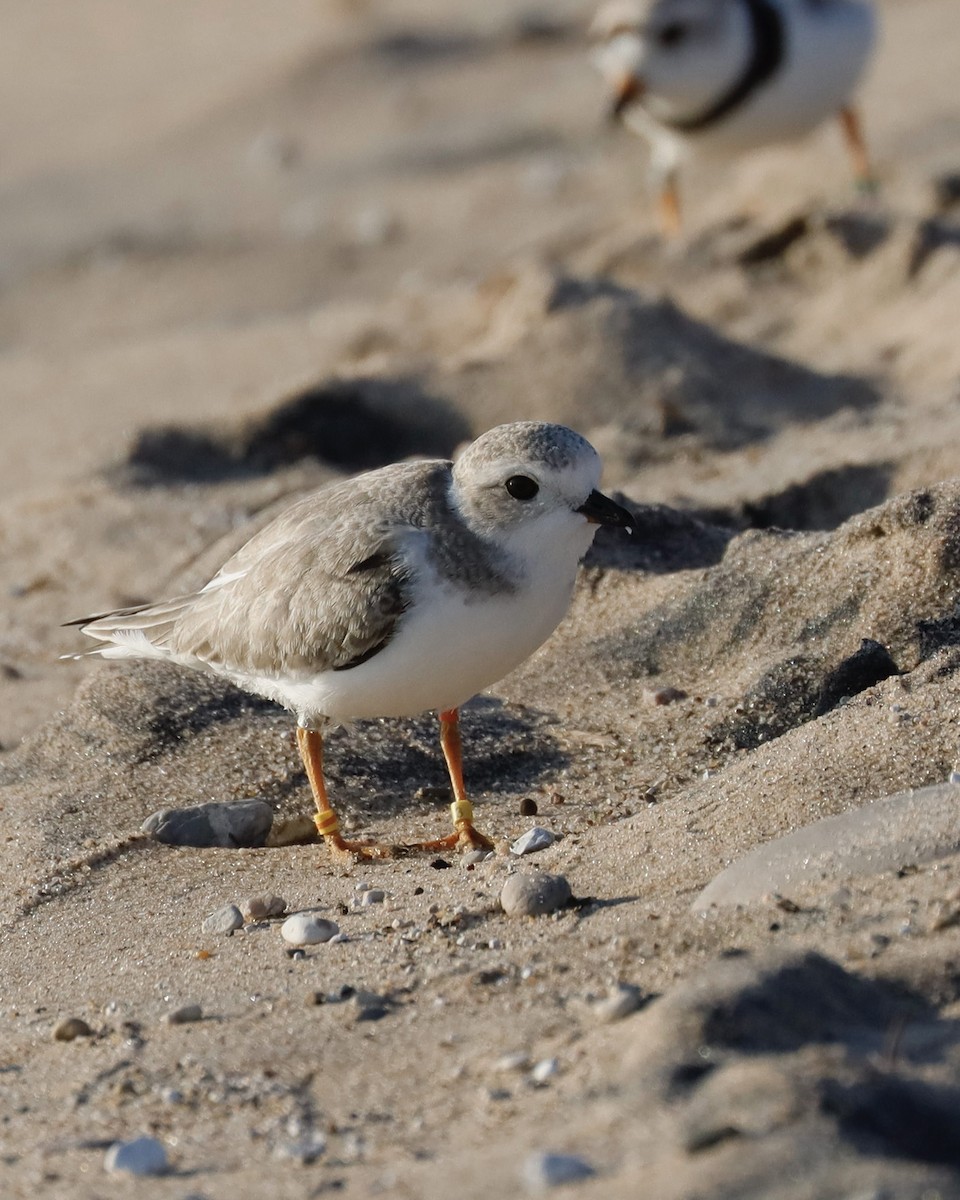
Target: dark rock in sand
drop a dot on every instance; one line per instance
(356, 425)
(238, 823)
(911, 828)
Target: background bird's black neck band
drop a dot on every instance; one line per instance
(767, 49)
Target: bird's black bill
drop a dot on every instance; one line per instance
(601, 510)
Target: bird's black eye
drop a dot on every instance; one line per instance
(522, 487)
(672, 35)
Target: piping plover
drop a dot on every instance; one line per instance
(715, 77)
(402, 590)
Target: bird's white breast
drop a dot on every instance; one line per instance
(449, 644)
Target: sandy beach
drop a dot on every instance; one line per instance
(251, 248)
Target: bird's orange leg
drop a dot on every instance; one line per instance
(857, 149)
(310, 745)
(461, 809)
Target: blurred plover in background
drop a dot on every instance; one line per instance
(403, 590)
(716, 77)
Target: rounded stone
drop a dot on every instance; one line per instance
(141, 1156)
(71, 1028)
(304, 929)
(224, 921)
(373, 896)
(262, 908)
(532, 895)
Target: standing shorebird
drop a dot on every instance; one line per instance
(716, 77)
(402, 590)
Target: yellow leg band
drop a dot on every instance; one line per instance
(462, 812)
(327, 823)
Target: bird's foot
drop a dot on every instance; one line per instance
(342, 850)
(464, 839)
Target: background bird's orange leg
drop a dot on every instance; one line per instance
(857, 148)
(668, 207)
(310, 745)
(461, 809)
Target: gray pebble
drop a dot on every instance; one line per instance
(224, 921)
(186, 1014)
(141, 1156)
(71, 1028)
(304, 929)
(533, 840)
(532, 895)
(241, 823)
(373, 896)
(472, 857)
(623, 1000)
(262, 908)
(545, 1170)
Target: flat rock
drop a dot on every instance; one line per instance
(231, 825)
(911, 827)
(536, 838)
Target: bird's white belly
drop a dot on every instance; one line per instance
(445, 650)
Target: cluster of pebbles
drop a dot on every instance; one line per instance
(523, 894)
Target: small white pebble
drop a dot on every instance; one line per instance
(373, 896)
(304, 929)
(545, 1069)
(954, 777)
(141, 1156)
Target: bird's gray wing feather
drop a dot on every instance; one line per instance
(323, 587)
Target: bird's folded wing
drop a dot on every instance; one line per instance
(295, 600)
